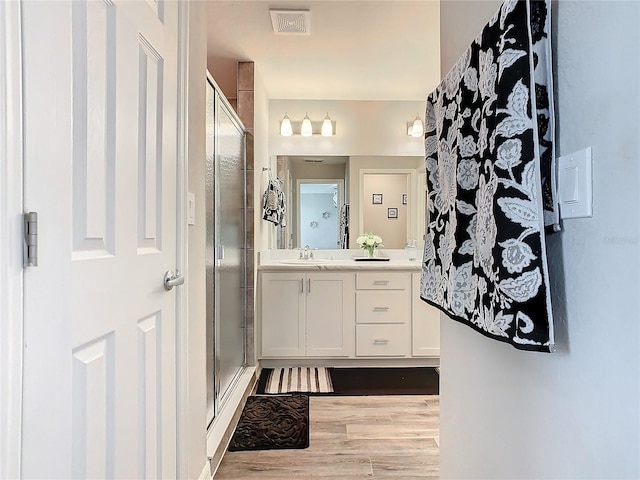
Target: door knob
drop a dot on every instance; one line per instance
(172, 280)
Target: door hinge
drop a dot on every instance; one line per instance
(30, 239)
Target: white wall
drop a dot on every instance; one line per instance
(261, 228)
(362, 127)
(262, 158)
(508, 414)
(196, 284)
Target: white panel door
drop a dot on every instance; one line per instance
(330, 314)
(100, 94)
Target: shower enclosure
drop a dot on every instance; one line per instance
(226, 253)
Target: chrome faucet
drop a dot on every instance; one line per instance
(306, 254)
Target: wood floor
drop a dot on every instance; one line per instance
(385, 437)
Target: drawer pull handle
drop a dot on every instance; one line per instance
(381, 282)
(380, 341)
(380, 309)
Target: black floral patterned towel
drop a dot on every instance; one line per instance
(489, 159)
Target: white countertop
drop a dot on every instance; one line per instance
(325, 260)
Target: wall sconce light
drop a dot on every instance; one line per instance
(286, 130)
(327, 127)
(307, 128)
(415, 128)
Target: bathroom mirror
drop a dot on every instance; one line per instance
(384, 194)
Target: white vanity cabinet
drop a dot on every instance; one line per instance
(426, 324)
(383, 314)
(307, 314)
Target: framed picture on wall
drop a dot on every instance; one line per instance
(404, 198)
(377, 199)
(392, 212)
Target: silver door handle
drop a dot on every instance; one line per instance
(172, 280)
(381, 282)
(380, 341)
(380, 309)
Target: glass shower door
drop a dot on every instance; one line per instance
(229, 275)
(225, 252)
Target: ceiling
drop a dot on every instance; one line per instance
(357, 50)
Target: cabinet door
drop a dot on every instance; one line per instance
(283, 328)
(330, 314)
(426, 324)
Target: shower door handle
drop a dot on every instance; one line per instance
(172, 280)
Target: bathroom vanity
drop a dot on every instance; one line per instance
(347, 312)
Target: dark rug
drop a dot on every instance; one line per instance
(272, 422)
(376, 381)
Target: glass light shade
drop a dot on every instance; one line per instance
(306, 130)
(417, 130)
(286, 130)
(327, 127)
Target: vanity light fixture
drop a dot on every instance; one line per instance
(306, 129)
(327, 127)
(286, 130)
(415, 128)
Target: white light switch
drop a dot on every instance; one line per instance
(575, 192)
(569, 185)
(191, 208)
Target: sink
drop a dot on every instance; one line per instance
(302, 261)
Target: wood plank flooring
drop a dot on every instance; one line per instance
(373, 437)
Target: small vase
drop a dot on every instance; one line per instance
(371, 252)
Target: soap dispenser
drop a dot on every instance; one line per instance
(412, 250)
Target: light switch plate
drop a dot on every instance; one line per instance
(575, 184)
(191, 208)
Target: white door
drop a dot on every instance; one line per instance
(100, 95)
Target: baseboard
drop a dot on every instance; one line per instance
(206, 472)
(219, 434)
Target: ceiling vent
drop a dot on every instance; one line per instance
(291, 22)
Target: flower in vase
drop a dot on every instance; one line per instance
(369, 242)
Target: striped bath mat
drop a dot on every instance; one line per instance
(299, 379)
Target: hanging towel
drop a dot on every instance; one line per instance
(274, 204)
(489, 160)
(344, 226)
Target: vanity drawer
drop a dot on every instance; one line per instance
(392, 306)
(382, 340)
(383, 281)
